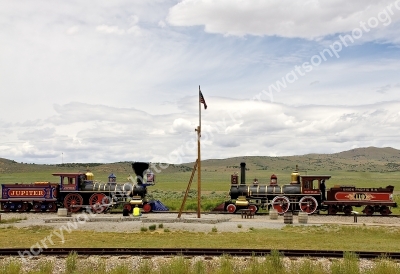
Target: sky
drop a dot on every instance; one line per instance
(108, 81)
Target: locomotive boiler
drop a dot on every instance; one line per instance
(306, 193)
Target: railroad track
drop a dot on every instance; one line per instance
(197, 252)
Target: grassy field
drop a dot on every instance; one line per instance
(328, 237)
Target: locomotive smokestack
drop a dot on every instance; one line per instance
(139, 168)
(243, 173)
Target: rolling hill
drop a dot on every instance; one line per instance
(364, 167)
(369, 159)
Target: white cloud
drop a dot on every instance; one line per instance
(112, 81)
(285, 18)
(135, 30)
(110, 29)
(108, 134)
(73, 30)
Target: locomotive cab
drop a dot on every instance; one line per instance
(70, 181)
(314, 184)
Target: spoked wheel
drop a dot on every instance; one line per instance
(231, 208)
(52, 207)
(253, 208)
(384, 210)
(146, 208)
(21, 207)
(332, 209)
(6, 207)
(308, 204)
(128, 207)
(347, 210)
(37, 206)
(99, 202)
(368, 210)
(281, 204)
(71, 200)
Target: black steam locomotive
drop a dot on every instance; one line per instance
(306, 193)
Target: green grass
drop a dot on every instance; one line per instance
(272, 263)
(12, 220)
(346, 238)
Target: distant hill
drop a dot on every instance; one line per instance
(370, 159)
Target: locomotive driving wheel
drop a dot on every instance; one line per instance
(73, 199)
(281, 204)
(308, 204)
(98, 202)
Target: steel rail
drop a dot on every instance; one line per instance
(194, 252)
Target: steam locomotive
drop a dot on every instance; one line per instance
(306, 193)
(76, 191)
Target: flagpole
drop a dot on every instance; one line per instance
(199, 161)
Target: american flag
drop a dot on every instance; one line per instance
(202, 100)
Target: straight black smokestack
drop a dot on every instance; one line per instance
(139, 168)
(242, 173)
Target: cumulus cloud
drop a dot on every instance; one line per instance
(286, 18)
(76, 80)
(110, 29)
(259, 128)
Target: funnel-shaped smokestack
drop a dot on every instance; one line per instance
(242, 173)
(139, 168)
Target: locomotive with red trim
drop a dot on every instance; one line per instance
(306, 193)
(76, 191)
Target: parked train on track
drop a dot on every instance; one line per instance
(76, 191)
(306, 193)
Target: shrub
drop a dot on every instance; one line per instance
(143, 229)
(120, 269)
(348, 265)
(12, 267)
(152, 227)
(71, 262)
